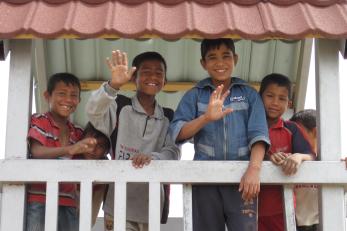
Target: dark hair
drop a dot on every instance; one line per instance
(306, 118)
(67, 78)
(209, 44)
(149, 55)
(275, 78)
(93, 132)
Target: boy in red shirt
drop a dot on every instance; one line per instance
(52, 136)
(288, 144)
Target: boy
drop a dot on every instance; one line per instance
(286, 138)
(306, 210)
(52, 136)
(227, 120)
(140, 131)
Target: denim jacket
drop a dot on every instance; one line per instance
(231, 137)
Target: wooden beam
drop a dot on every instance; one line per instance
(169, 87)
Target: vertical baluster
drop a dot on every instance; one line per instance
(187, 207)
(120, 206)
(85, 206)
(51, 216)
(154, 206)
(289, 207)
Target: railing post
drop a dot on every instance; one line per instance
(332, 214)
(85, 206)
(288, 195)
(187, 207)
(51, 216)
(18, 113)
(154, 206)
(120, 198)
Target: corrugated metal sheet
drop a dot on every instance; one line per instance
(86, 59)
(172, 19)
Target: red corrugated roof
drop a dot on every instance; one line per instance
(249, 19)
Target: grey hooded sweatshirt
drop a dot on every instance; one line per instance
(137, 133)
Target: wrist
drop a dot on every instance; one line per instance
(254, 168)
(115, 86)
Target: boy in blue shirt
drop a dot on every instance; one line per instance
(227, 120)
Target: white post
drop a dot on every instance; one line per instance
(86, 206)
(154, 206)
(51, 216)
(332, 214)
(288, 195)
(187, 207)
(120, 198)
(18, 112)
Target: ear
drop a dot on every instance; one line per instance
(46, 95)
(290, 104)
(203, 63)
(236, 58)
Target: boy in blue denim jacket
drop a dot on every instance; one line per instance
(227, 120)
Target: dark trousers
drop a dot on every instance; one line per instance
(217, 206)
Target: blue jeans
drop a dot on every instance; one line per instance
(35, 220)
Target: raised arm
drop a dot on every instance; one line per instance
(101, 106)
(215, 111)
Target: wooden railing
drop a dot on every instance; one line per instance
(85, 172)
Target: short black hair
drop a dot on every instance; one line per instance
(306, 118)
(149, 55)
(95, 133)
(67, 78)
(275, 78)
(209, 44)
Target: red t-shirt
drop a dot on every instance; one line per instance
(44, 130)
(287, 137)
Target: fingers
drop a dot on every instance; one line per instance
(132, 70)
(140, 160)
(118, 58)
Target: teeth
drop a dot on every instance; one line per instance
(151, 84)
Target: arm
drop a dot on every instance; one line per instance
(38, 151)
(292, 163)
(101, 107)
(214, 112)
(250, 181)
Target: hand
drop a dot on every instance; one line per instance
(278, 158)
(250, 184)
(86, 145)
(291, 165)
(215, 106)
(140, 160)
(119, 69)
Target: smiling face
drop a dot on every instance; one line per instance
(150, 77)
(219, 63)
(63, 100)
(276, 102)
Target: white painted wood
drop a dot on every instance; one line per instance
(86, 206)
(103, 171)
(51, 216)
(289, 209)
(303, 72)
(18, 112)
(120, 195)
(41, 75)
(154, 206)
(187, 208)
(329, 140)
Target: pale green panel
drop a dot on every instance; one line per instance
(174, 54)
(195, 72)
(79, 116)
(170, 100)
(243, 50)
(262, 59)
(287, 58)
(55, 56)
(82, 61)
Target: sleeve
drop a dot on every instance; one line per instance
(37, 130)
(257, 125)
(186, 111)
(101, 109)
(170, 151)
(300, 143)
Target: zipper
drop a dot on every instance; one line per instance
(144, 131)
(225, 139)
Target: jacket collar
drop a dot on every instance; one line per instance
(158, 110)
(208, 83)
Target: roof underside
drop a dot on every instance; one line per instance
(173, 19)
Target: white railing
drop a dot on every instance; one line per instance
(86, 172)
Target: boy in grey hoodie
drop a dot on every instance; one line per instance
(137, 126)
